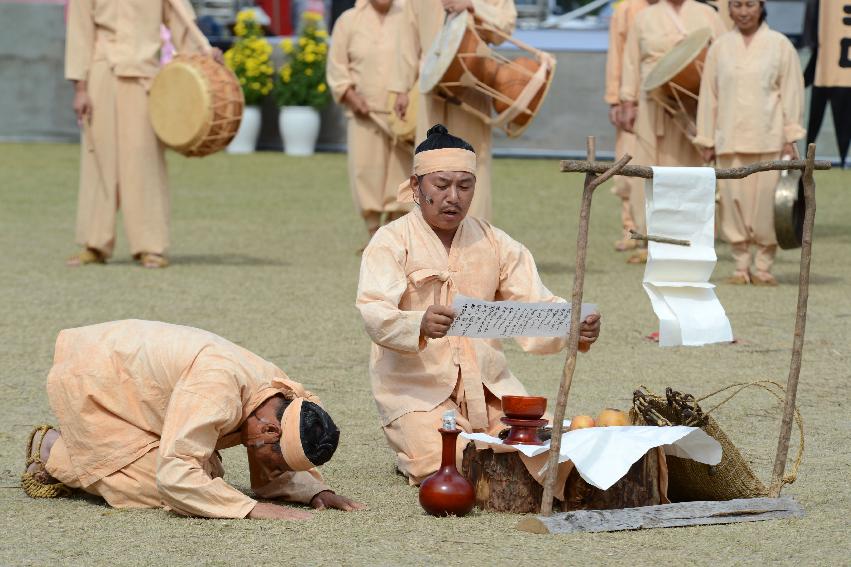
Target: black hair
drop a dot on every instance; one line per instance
(762, 15)
(318, 432)
(438, 137)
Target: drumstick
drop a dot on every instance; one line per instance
(89, 141)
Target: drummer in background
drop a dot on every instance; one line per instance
(423, 20)
(658, 139)
(751, 109)
(622, 19)
(111, 55)
(358, 69)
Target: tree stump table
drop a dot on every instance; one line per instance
(502, 484)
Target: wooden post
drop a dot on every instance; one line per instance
(800, 325)
(592, 181)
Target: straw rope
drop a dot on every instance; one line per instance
(764, 384)
(32, 482)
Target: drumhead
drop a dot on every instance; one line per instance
(180, 105)
(677, 59)
(442, 52)
(403, 129)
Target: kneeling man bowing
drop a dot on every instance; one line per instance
(144, 407)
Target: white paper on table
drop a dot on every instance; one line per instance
(680, 203)
(603, 455)
(502, 319)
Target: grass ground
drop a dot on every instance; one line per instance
(264, 254)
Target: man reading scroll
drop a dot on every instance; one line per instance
(144, 407)
(410, 273)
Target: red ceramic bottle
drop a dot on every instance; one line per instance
(446, 492)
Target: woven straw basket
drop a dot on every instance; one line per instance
(689, 480)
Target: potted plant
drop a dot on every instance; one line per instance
(300, 88)
(250, 60)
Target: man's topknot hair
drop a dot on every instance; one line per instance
(438, 138)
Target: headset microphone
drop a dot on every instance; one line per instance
(428, 199)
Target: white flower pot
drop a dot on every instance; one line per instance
(299, 129)
(245, 141)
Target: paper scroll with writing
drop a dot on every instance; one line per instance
(502, 319)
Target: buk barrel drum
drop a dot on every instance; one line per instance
(789, 210)
(403, 130)
(674, 82)
(460, 60)
(195, 105)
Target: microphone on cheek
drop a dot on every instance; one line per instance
(428, 199)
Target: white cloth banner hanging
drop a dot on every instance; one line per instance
(680, 203)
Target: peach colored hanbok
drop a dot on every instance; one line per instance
(423, 20)
(658, 139)
(363, 47)
(144, 407)
(622, 19)
(751, 104)
(414, 380)
(114, 46)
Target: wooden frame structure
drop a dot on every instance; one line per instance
(596, 174)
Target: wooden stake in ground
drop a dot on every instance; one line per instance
(592, 181)
(777, 479)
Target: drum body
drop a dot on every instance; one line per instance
(460, 60)
(195, 105)
(674, 82)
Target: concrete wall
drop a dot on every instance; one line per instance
(35, 100)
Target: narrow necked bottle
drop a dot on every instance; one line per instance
(446, 492)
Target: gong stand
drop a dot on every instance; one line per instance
(719, 512)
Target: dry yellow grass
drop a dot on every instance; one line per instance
(264, 254)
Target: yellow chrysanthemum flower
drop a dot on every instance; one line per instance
(321, 88)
